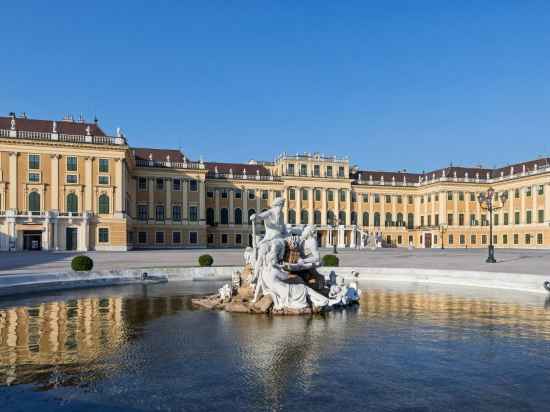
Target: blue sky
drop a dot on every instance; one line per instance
(404, 84)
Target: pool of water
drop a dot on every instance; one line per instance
(406, 347)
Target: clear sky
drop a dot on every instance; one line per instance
(404, 84)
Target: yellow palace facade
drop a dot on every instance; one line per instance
(66, 185)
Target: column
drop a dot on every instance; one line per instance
(258, 200)
(168, 211)
(455, 208)
(184, 202)
(151, 188)
(382, 211)
(535, 212)
(245, 206)
(348, 207)
(311, 219)
(56, 233)
(360, 210)
(13, 180)
(417, 211)
(84, 233)
(55, 182)
(298, 205)
(119, 195)
(88, 185)
(231, 207)
(217, 205)
(522, 210)
(285, 208)
(546, 203)
(202, 199)
(371, 210)
(467, 209)
(324, 208)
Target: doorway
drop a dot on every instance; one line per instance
(71, 238)
(428, 240)
(32, 240)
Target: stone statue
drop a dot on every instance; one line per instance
(273, 219)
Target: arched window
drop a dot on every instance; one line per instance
(304, 217)
(353, 218)
(410, 221)
(34, 202)
(388, 220)
(210, 216)
(341, 217)
(292, 216)
(400, 219)
(330, 217)
(250, 213)
(317, 217)
(238, 216)
(377, 219)
(103, 204)
(224, 216)
(365, 218)
(72, 203)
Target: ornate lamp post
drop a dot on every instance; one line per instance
(442, 230)
(488, 201)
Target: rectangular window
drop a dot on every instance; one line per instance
(176, 185)
(160, 184)
(193, 214)
(34, 162)
(176, 237)
(224, 238)
(142, 237)
(251, 194)
(435, 239)
(527, 239)
(193, 238)
(291, 194)
(277, 193)
(376, 198)
(330, 195)
(529, 217)
(451, 239)
(142, 184)
(450, 219)
(238, 194)
(304, 194)
(495, 219)
(72, 179)
(484, 220)
(461, 219)
(472, 197)
(290, 169)
(495, 239)
(329, 171)
(210, 194)
(353, 197)
(103, 180)
(473, 239)
(224, 194)
(159, 237)
(399, 199)
(143, 212)
(505, 239)
(103, 165)
(528, 191)
(265, 194)
(505, 219)
(103, 235)
(539, 239)
(461, 196)
(421, 199)
(429, 198)
(516, 193)
(541, 216)
(342, 195)
(388, 199)
(365, 198)
(210, 238)
(421, 220)
(449, 195)
(341, 171)
(176, 213)
(34, 177)
(316, 170)
(516, 239)
(159, 214)
(193, 186)
(303, 170)
(429, 220)
(483, 239)
(473, 220)
(410, 200)
(540, 190)
(71, 164)
(238, 239)
(462, 239)
(317, 195)
(516, 218)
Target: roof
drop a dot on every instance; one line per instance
(158, 155)
(237, 168)
(46, 126)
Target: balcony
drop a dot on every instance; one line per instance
(69, 138)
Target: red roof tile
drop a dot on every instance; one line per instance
(237, 168)
(158, 155)
(46, 126)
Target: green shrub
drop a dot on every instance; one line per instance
(206, 260)
(330, 260)
(82, 263)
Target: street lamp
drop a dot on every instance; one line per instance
(442, 230)
(488, 202)
(335, 232)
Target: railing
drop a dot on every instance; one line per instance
(312, 156)
(167, 164)
(30, 135)
(212, 175)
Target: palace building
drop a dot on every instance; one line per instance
(66, 185)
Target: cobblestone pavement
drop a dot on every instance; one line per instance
(509, 260)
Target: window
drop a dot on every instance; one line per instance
(224, 238)
(224, 216)
(34, 162)
(472, 197)
(238, 216)
(436, 197)
(251, 194)
(400, 221)
(435, 239)
(461, 219)
(292, 216)
(303, 170)
(316, 170)
(484, 220)
(410, 221)
(450, 219)
(540, 190)
(541, 216)
(277, 193)
(462, 239)
(103, 180)
(210, 216)
(449, 195)
(317, 195)
(142, 237)
(159, 237)
(516, 193)
(265, 194)
(528, 191)
(72, 203)
(461, 196)
(429, 198)
(193, 214)
(505, 219)
(160, 184)
(505, 239)
(34, 202)
(71, 164)
(410, 200)
(238, 239)
(539, 239)
(210, 238)
(224, 194)
(342, 195)
(143, 212)
(495, 239)
(329, 171)
(527, 239)
(377, 219)
(330, 195)
(429, 220)
(193, 186)
(516, 218)
(142, 184)
(451, 239)
(176, 237)
(496, 219)
(103, 235)
(388, 199)
(34, 177)
(159, 213)
(176, 185)
(291, 194)
(238, 194)
(421, 220)
(341, 171)
(399, 199)
(250, 213)
(529, 217)
(103, 204)
(376, 198)
(304, 194)
(193, 237)
(317, 217)
(72, 179)
(330, 218)
(483, 239)
(103, 165)
(290, 169)
(304, 217)
(473, 239)
(437, 220)
(365, 198)
(516, 239)
(176, 213)
(210, 194)
(421, 199)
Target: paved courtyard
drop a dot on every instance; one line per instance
(509, 260)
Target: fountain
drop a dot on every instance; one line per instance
(280, 274)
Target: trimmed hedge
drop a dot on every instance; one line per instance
(82, 264)
(206, 260)
(330, 260)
